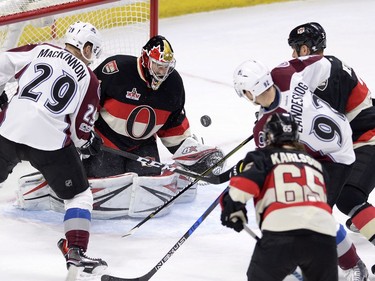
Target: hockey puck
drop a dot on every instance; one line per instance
(206, 120)
(373, 269)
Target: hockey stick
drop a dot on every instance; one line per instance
(252, 234)
(151, 163)
(175, 247)
(206, 172)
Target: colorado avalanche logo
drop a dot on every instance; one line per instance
(261, 139)
(284, 64)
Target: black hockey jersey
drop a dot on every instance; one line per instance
(132, 113)
(289, 190)
(348, 94)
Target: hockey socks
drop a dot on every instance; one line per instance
(364, 220)
(346, 251)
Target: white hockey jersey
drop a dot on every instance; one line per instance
(325, 133)
(56, 101)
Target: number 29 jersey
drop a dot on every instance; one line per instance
(57, 97)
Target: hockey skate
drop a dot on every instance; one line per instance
(357, 273)
(77, 258)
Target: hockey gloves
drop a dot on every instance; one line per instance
(93, 145)
(233, 214)
(3, 101)
(198, 157)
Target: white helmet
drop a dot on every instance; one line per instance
(252, 76)
(79, 33)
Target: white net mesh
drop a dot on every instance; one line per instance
(125, 24)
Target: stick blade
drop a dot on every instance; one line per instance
(130, 232)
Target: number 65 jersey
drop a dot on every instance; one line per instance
(289, 190)
(326, 134)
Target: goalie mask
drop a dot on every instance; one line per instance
(252, 76)
(281, 128)
(81, 33)
(157, 60)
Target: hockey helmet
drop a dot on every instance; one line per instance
(310, 34)
(280, 128)
(80, 33)
(158, 60)
(252, 76)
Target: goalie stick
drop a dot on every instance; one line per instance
(175, 247)
(206, 172)
(151, 163)
(252, 234)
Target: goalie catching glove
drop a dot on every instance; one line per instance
(92, 146)
(197, 157)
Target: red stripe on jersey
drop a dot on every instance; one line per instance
(176, 131)
(277, 206)
(142, 113)
(245, 185)
(106, 141)
(366, 136)
(357, 96)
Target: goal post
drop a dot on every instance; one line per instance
(125, 25)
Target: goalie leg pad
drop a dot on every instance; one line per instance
(149, 193)
(190, 194)
(33, 193)
(122, 196)
(112, 196)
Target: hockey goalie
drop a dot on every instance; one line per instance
(142, 99)
(127, 195)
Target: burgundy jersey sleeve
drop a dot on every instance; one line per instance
(85, 119)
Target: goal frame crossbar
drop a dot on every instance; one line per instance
(72, 6)
(51, 10)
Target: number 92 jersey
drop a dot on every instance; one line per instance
(326, 134)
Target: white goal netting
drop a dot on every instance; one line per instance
(125, 24)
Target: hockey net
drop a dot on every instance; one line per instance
(125, 25)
